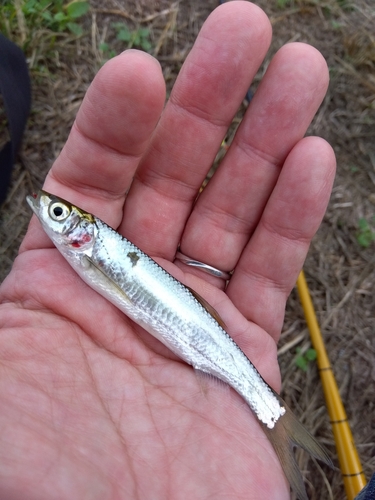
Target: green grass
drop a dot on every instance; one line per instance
(365, 233)
(22, 19)
(38, 26)
(302, 360)
(138, 38)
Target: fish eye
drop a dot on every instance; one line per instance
(58, 211)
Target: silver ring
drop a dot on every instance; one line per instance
(203, 267)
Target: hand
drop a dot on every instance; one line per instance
(92, 407)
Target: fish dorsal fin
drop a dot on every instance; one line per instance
(211, 310)
(103, 277)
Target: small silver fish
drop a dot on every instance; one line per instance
(174, 314)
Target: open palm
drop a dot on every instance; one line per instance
(92, 407)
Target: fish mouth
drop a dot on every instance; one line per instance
(39, 203)
(35, 201)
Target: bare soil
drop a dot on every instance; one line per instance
(340, 271)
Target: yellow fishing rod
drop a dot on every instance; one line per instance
(350, 465)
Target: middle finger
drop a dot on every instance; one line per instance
(207, 94)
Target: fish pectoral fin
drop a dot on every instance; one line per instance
(103, 277)
(211, 310)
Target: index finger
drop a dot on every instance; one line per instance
(110, 134)
(210, 87)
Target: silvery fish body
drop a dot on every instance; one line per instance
(172, 313)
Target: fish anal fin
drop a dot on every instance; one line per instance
(103, 278)
(211, 310)
(208, 382)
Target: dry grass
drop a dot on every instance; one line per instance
(341, 273)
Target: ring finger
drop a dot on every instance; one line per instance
(227, 212)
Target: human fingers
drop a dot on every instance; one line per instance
(230, 207)
(271, 261)
(110, 134)
(207, 93)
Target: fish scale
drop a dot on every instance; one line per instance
(174, 314)
(204, 344)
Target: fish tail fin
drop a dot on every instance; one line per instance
(288, 431)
